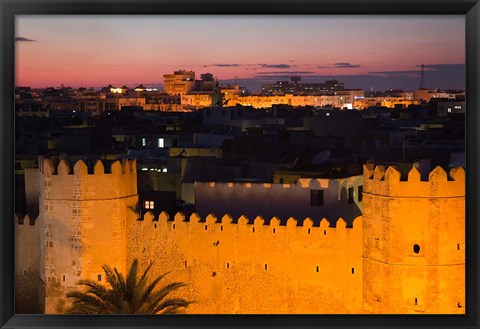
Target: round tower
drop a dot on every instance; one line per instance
(85, 216)
(413, 241)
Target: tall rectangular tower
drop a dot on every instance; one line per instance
(179, 83)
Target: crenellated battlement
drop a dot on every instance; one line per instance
(255, 225)
(24, 220)
(123, 167)
(388, 181)
(80, 183)
(304, 183)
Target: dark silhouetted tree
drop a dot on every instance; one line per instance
(132, 295)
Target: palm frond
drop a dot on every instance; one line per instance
(144, 275)
(170, 306)
(94, 287)
(116, 294)
(85, 299)
(156, 298)
(147, 294)
(121, 282)
(126, 296)
(132, 279)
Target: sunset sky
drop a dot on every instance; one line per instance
(362, 51)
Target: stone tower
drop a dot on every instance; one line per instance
(413, 241)
(85, 215)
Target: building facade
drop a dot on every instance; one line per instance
(295, 87)
(179, 83)
(313, 198)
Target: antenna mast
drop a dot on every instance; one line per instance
(422, 77)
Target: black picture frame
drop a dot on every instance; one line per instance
(10, 8)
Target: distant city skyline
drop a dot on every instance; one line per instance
(364, 52)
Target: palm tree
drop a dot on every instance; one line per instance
(130, 296)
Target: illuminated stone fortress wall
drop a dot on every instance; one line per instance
(373, 267)
(405, 255)
(250, 267)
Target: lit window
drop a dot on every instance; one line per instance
(149, 204)
(144, 142)
(164, 170)
(449, 110)
(161, 143)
